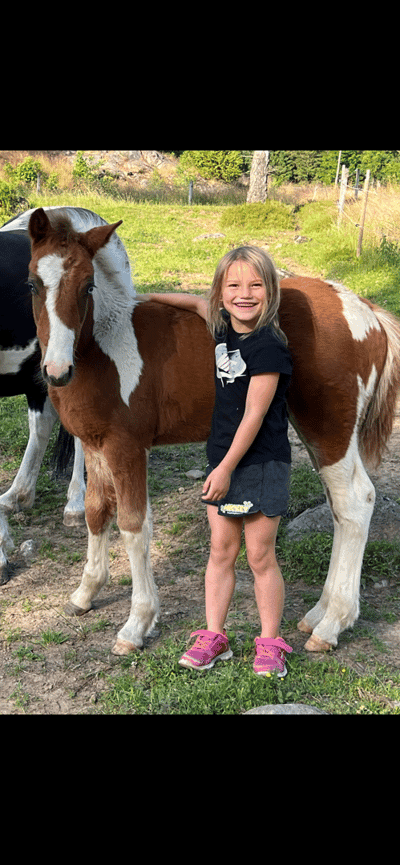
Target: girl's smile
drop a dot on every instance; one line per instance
(243, 296)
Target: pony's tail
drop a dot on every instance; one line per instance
(377, 423)
(63, 452)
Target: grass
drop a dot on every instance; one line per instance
(155, 684)
(167, 252)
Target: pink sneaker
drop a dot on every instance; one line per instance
(270, 657)
(208, 648)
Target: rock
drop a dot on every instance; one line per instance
(286, 709)
(206, 236)
(28, 550)
(195, 474)
(317, 519)
(384, 523)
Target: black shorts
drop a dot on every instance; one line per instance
(261, 487)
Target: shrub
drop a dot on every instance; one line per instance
(270, 215)
(226, 165)
(25, 172)
(9, 198)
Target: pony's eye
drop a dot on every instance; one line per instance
(90, 288)
(32, 287)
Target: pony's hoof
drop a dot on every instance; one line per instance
(123, 647)
(74, 518)
(314, 644)
(72, 610)
(4, 574)
(303, 626)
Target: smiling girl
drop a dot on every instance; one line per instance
(248, 450)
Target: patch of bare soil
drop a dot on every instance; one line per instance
(52, 664)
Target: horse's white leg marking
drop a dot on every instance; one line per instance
(145, 605)
(6, 545)
(95, 573)
(59, 355)
(74, 511)
(351, 496)
(22, 491)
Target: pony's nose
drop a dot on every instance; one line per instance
(57, 376)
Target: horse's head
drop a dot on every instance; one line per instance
(61, 277)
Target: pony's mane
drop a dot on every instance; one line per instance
(114, 295)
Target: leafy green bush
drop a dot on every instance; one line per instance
(26, 171)
(226, 165)
(270, 215)
(317, 216)
(82, 170)
(9, 199)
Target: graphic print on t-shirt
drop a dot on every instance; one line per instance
(229, 365)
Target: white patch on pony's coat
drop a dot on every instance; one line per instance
(11, 359)
(60, 349)
(360, 318)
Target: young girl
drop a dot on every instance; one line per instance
(248, 451)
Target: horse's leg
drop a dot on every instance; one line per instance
(100, 507)
(6, 546)
(22, 491)
(74, 511)
(351, 496)
(144, 604)
(135, 524)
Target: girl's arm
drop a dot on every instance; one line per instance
(260, 394)
(191, 302)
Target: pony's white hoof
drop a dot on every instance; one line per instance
(74, 518)
(303, 626)
(314, 644)
(72, 609)
(123, 647)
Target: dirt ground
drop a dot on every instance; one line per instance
(40, 676)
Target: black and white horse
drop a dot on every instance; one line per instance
(20, 374)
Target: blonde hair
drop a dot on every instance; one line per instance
(261, 262)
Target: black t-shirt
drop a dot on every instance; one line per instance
(236, 360)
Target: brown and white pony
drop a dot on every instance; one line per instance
(125, 376)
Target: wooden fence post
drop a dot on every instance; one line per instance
(190, 199)
(343, 187)
(360, 236)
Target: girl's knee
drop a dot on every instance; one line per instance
(261, 558)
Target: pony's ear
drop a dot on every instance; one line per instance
(39, 225)
(95, 238)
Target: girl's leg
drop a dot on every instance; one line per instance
(220, 574)
(260, 535)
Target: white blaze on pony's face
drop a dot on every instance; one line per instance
(61, 282)
(59, 357)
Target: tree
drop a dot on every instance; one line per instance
(258, 176)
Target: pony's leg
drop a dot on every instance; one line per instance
(6, 546)
(74, 511)
(100, 508)
(144, 605)
(351, 496)
(135, 525)
(22, 492)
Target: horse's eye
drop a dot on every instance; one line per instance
(32, 287)
(90, 288)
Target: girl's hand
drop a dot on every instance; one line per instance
(217, 484)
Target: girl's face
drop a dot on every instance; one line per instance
(243, 295)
